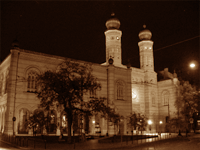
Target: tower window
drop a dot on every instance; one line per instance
(120, 90)
(117, 38)
(153, 98)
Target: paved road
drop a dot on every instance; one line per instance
(4, 146)
(179, 143)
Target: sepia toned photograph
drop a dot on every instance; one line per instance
(100, 75)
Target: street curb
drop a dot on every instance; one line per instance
(14, 145)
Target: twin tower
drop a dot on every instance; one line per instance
(113, 45)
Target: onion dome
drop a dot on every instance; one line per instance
(145, 34)
(15, 43)
(113, 22)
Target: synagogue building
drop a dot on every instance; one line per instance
(126, 88)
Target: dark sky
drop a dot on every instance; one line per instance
(76, 30)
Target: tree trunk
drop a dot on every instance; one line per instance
(69, 121)
(179, 133)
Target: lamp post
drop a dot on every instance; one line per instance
(194, 73)
(150, 123)
(160, 126)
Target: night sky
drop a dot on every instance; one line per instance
(76, 30)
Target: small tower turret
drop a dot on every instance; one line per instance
(15, 44)
(113, 41)
(146, 50)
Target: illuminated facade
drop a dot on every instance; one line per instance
(127, 89)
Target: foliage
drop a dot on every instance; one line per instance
(187, 101)
(66, 88)
(177, 123)
(96, 105)
(37, 121)
(137, 121)
(186, 104)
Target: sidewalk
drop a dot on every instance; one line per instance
(94, 145)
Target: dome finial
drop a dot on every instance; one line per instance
(113, 22)
(145, 34)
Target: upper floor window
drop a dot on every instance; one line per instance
(120, 90)
(32, 81)
(92, 93)
(165, 97)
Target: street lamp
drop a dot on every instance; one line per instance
(149, 122)
(160, 126)
(192, 65)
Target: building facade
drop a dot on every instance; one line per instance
(127, 89)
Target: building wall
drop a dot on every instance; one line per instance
(167, 91)
(21, 62)
(4, 90)
(127, 90)
(141, 94)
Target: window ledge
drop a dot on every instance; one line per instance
(120, 99)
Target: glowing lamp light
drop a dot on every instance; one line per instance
(93, 121)
(192, 65)
(149, 122)
(63, 118)
(134, 95)
(160, 122)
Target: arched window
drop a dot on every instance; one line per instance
(92, 93)
(52, 121)
(120, 90)
(76, 122)
(86, 123)
(39, 116)
(97, 124)
(32, 83)
(23, 121)
(64, 122)
(165, 97)
(1, 118)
